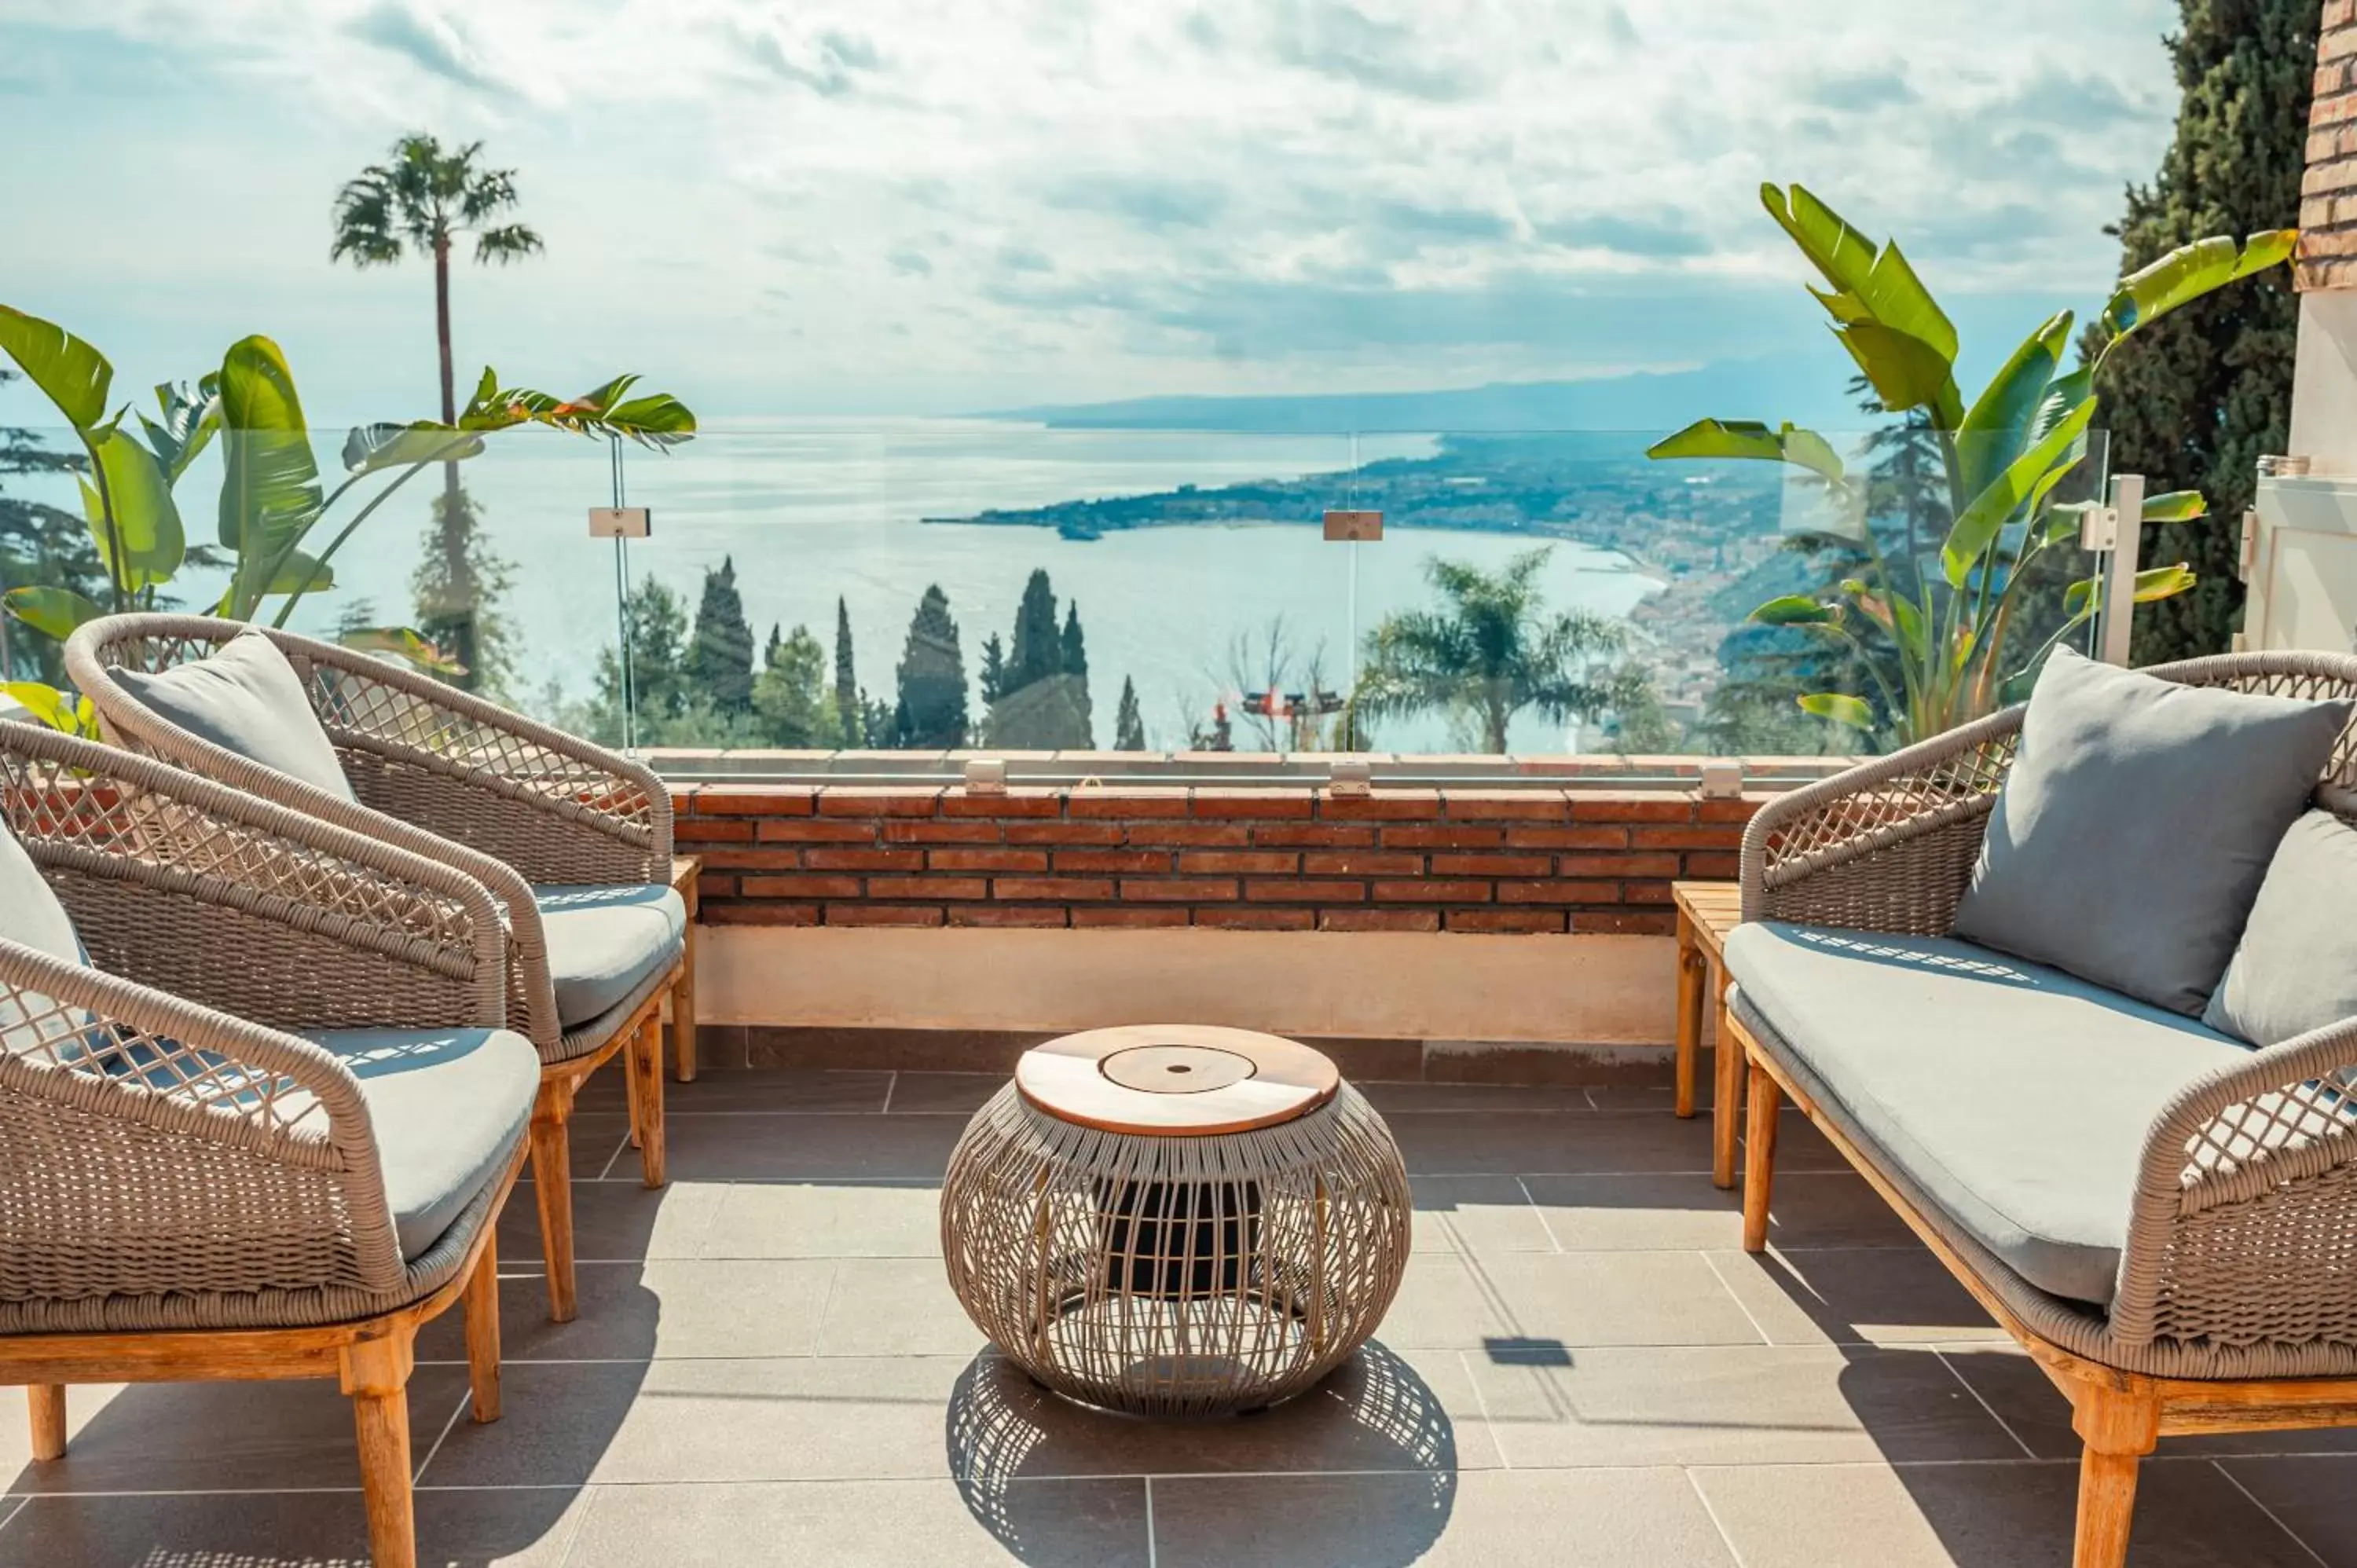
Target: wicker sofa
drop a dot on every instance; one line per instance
(258, 1114)
(2165, 1218)
(573, 842)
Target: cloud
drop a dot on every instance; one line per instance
(830, 64)
(430, 42)
(1336, 38)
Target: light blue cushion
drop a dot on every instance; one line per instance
(448, 1107)
(604, 943)
(2016, 1097)
(245, 698)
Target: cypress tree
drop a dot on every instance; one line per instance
(1038, 651)
(1128, 725)
(851, 710)
(2194, 400)
(930, 712)
(994, 668)
(1072, 662)
(720, 654)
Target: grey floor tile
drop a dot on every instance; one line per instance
(778, 1089)
(2026, 1401)
(1654, 1098)
(1614, 1298)
(895, 1306)
(1441, 1303)
(1388, 1098)
(221, 1436)
(1604, 1519)
(1819, 1208)
(1732, 1404)
(665, 1308)
(596, 1137)
(827, 1219)
(867, 1524)
(953, 1093)
(1476, 1214)
(811, 1147)
(312, 1530)
(613, 1221)
(1876, 1295)
(1449, 1143)
(2309, 1496)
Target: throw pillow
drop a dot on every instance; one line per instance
(2297, 967)
(247, 699)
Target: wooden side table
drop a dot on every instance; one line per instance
(1706, 912)
(684, 871)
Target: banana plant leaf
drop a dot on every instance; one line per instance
(1905, 371)
(405, 642)
(2187, 272)
(2001, 421)
(53, 612)
(2085, 597)
(1797, 609)
(145, 544)
(68, 372)
(371, 448)
(57, 710)
(1752, 440)
(1841, 709)
(2030, 475)
(270, 482)
(190, 419)
(2176, 506)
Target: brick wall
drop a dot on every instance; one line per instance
(2328, 208)
(1522, 861)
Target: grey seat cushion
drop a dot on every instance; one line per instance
(245, 697)
(2296, 968)
(31, 914)
(2136, 825)
(448, 1107)
(2016, 1097)
(604, 943)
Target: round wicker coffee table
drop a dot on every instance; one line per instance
(1175, 1219)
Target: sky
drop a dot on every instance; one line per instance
(867, 207)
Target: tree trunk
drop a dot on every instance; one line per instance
(451, 534)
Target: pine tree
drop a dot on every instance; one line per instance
(1128, 725)
(850, 702)
(720, 654)
(1037, 653)
(994, 668)
(2194, 400)
(930, 713)
(790, 697)
(458, 587)
(40, 546)
(1072, 658)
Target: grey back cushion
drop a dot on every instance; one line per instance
(2297, 967)
(2136, 825)
(247, 699)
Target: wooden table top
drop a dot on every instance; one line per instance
(1715, 908)
(1175, 1079)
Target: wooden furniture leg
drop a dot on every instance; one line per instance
(1692, 971)
(552, 1183)
(47, 1402)
(1726, 1092)
(631, 1086)
(2119, 1429)
(375, 1373)
(482, 1309)
(1759, 1156)
(682, 1000)
(643, 1061)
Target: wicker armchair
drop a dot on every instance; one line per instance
(190, 1189)
(512, 802)
(2235, 1307)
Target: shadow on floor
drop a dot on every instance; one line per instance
(1002, 1431)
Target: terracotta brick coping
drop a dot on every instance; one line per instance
(1223, 768)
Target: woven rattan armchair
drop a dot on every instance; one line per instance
(509, 802)
(189, 1190)
(2235, 1307)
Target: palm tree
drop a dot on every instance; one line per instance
(420, 200)
(1492, 649)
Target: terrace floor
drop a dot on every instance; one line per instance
(1582, 1368)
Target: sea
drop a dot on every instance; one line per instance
(816, 511)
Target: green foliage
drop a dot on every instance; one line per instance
(930, 712)
(457, 589)
(849, 706)
(790, 696)
(1043, 692)
(2003, 457)
(2196, 400)
(47, 564)
(1128, 724)
(1491, 649)
(720, 653)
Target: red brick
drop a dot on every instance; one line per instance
(1431, 890)
(1615, 923)
(884, 915)
(1437, 837)
(1050, 889)
(898, 800)
(1013, 803)
(1001, 915)
(1683, 838)
(1311, 835)
(772, 830)
(1113, 860)
(1362, 863)
(757, 915)
(1229, 917)
(1558, 892)
(1493, 865)
(695, 829)
(1508, 923)
(1177, 889)
(782, 801)
(1191, 835)
(1503, 805)
(1630, 806)
(986, 860)
(1270, 803)
(1646, 893)
(1118, 804)
(1739, 811)
(709, 885)
(826, 859)
(928, 887)
(1250, 863)
(1379, 920)
(1701, 866)
(1382, 806)
(1567, 838)
(1063, 832)
(1303, 890)
(800, 887)
(1622, 865)
(752, 859)
(924, 830)
(1116, 916)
